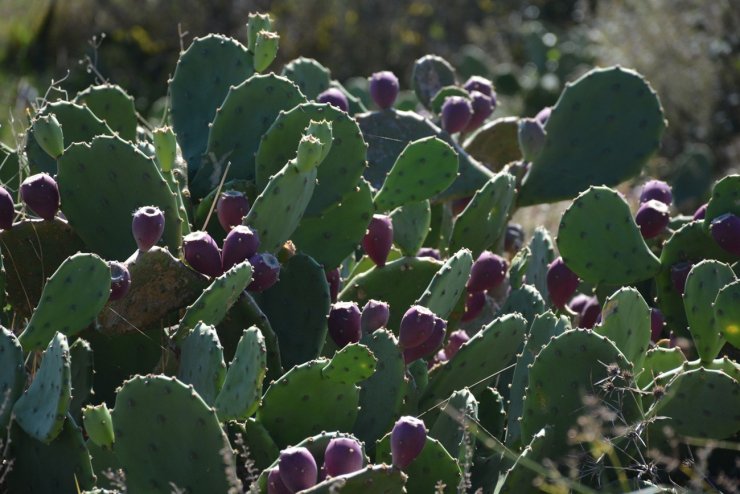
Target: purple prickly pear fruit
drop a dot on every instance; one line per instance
(297, 468)
(417, 324)
(429, 252)
(482, 109)
(275, 483)
(474, 304)
(656, 190)
(454, 342)
(679, 273)
(345, 323)
(231, 207)
(459, 205)
(335, 98)
(334, 279)
(480, 84)
(265, 272)
(239, 245)
(652, 217)
(700, 213)
(343, 455)
(375, 315)
(7, 209)
(513, 238)
(544, 115)
(120, 281)
(201, 252)
(384, 89)
(41, 194)
(456, 113)
(725, 230)
(147, 227)
(578, 302)
(439, 358)
(407, 440)
(488, 272)
(561, 282)
(532, 138)
(657, 323)
(428, 346)
(590, 313)
(378, 239)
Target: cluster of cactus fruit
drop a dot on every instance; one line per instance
(137, 352)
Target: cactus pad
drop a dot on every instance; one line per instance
(430, 74)
(457, 417)
(727, 312)
(447, 285)
(543, 253)
(310, 76)
(82, 373)
(241, 391)
(496, 143)
(725, 199)
(111, 104)
(12, 374)
(411, 226)
(381, 479)
(625, 320)
(202, 362)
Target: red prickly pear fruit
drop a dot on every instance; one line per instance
(454, 342)
(656, 190)
(378, 239)
(375, 315)
(407, 440)
(231, 207)
(482, 109)
(343, 455)
(344, 323)
(544, 115)
(7, 209)
(474, 304)
(459, 205)
(725, 230)
(201, 252)
(335, 98)
(239, 245)
(429, 252)
(488, 272)
(561, 282)
(701, 212)
(275, 483)
(147, 227)
(679, 273)
(480, 84)
(578, 303)
(41, 194)
(439, 358)
(657, 323)
(532, 137)
(652, 217)
(265, 272)
(590, 313)
(120, 281)
(384, 89)
(297, 468)
(417, 324)
(513, 238)
(334, 279)
(430, 345)
(456, 113)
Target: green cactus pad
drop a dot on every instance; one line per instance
(381, 395)
(256, 442)
(520, 478)
(447, 285)
(727, 312)
(570, 366)
(111, 104)
(434, 464)
(544, 327)
(245, 115)
(381, 479)
(160, 286)
(79, 124)
(601, 243)
(202, 362)
(82, 373)
(72, 297)
(495, 144)
(351, 364)
(12, 374)
(480, 358)
(216, 300)
(543, 253)
(455, 423)
(526, 301)
(518, 268)
(124, 180)
(103, 460)
(700, 403)
(657, 361)
(400, 283)
(240, 394)
(301, 331)
(330, 236)
(702, 285)
(491, 414)
(625, 320)
(42, 408)
(725, 199)
(32, 251)
(165, 433)
(430, 74)
(439, 98)
(424, 169)
(99, 425)
(483, 221)
(65, 462)
(689, 243)
(602, 130)
(204, 74)
(410, 226)
(309, 75)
